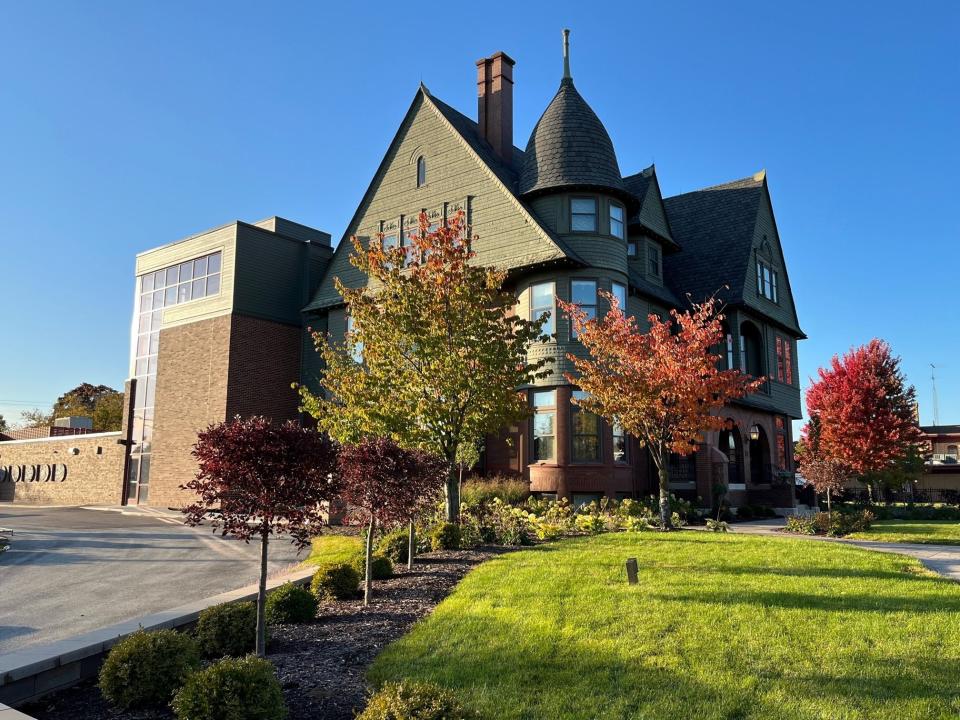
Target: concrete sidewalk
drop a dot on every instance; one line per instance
(942, 559)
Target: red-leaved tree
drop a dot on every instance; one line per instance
(824, 474)
(385, 484)
(663, 386)
(256, 479)
(862, 413)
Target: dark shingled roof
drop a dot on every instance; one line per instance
(715, 227)
(940, 429)
(569, 148)
(650, 212)
(652, 290)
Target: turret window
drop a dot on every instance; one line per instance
(620, 293)
(632, 249)
(544, 425)
(653, 259)
(584, 294)
(616, 220)
(541, 301)
(583, 214)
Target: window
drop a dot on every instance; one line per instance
(586, 431)
(731, 358)
(541, 301)
(653, 259)
(421, 171)
(788, 361)
(389, 242)
(766, 281)
(544, 425)
(616, 220)
(358, 346)
(632, 248)
(619, 443)
(620, 293)
(584, 294)
(751, 350)
(583, 214)
(779, 344)
(781, 424)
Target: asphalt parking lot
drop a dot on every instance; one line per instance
(71, 570)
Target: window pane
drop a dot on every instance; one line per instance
(583, 205)
(632, 249)
(585, 423)
(616, 228)
(145, 302)
(213, 285)
(183, 293)
(143, 345)
(146, 283)
(616, 213)
(543, 295)
(199, 267)
(169, 296)
(158, 299)
(199, 288)
(154, 343)
(145, 322)
(586, 447)
(545, 398)
(159, 279)
(186, 271)
(213, 263)
(172, 276)
(389, 242)
(543, 448)
(620, 293)
(543, 423)
(584, 223)
(584, 292)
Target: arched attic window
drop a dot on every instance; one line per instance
(421, 171)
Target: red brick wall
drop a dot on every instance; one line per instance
(264, 361)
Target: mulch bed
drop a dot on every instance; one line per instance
(321, 665)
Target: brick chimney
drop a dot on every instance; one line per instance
(495, 103)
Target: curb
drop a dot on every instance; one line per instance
(29, 674)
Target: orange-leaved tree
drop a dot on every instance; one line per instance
(663, 386)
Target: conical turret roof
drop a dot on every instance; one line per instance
(569, 148)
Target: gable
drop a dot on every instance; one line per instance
(766, 245)
(457, 176)
(652, 214)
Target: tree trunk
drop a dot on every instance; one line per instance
(453, 495)
(828, 502)
(261, 646)
(411, 545)
(369, 563)
(664, 473)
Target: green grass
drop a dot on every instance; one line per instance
(333, 549)
(930, 532)
(720, 627)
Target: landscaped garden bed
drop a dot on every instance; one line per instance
(321, 665)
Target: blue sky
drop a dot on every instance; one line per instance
(124, 126)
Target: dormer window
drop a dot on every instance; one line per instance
(421, 171)
(653, 260)
(616, 220)
(767, 281)
(583, 214)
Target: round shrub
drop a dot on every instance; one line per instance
(146, 668)
(381, 567)
(445, 536)
(335, 581)
(232, 689)
(413, 701)
(291, 603)
(745, 512)
(394, 545)
(228, 629)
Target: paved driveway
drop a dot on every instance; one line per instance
(70, 570)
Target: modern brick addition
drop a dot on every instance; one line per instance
(94, 475)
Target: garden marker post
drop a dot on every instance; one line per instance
(632, 571)
(411, 545)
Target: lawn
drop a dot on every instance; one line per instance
(720, 627)
(333, 549)
(931, 532)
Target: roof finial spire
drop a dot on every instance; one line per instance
(566, 54)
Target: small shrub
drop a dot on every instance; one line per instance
(414, 701)
(232, 689)
(510, 490)
(228, 629)
(745, 512)
(380, 567)
(801, 525)
(445, 536)
(291, 603)
(394, 545)
(335, 581)
(836, 524)
(147, 668)
(592, 524)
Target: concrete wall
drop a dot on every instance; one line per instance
(93, 476)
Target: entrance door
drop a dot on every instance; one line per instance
(760, 469)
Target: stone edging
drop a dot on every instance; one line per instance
(29, 674)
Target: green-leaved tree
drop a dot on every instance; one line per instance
(434, 354)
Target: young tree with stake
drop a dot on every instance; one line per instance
(257, 479)
(664, 386)
(436, 351)
(387, 485)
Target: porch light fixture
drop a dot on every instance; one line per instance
(754, 432)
